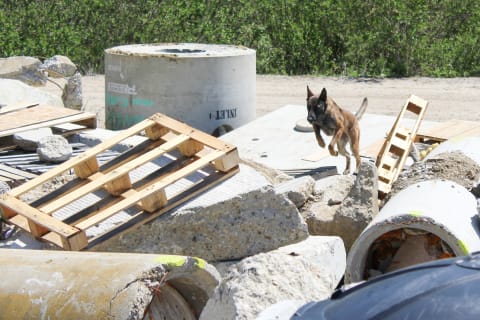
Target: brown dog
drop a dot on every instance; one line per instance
(325, 115)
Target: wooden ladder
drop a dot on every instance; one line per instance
(190, 156)
(397, 145)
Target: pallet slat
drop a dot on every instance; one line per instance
(90, 153)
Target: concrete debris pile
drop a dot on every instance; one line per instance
(18, 73)
(266, 237)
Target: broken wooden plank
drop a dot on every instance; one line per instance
(16, 106)
(40, 117)
(448, 130)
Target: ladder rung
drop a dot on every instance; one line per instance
(401, 144)
(385, 174)
(402, 133)
(384, 187)
(388, 163)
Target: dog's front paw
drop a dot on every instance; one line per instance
(321, 143)
(333, 152)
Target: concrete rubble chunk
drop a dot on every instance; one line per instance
(360, 206)
(301, 272)
(59, 66)
(4, 187)
(238, 218)
(274, 176)
(72, 92)
(15, 92)
(28, 140)
(452, 165)
(26, 69)
(298, 190)
(54, 148)
(344, 206)
(328, 194)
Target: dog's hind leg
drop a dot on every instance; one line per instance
(341, 145)
(355, 146)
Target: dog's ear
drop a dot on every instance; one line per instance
(309, 93)
(323, 95)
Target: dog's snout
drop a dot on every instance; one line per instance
(310, 119)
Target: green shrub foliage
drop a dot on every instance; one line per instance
(329, 37)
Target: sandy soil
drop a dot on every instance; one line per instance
(457, 98)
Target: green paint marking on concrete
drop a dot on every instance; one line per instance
(171, 260)
(200, 262)
(416, 213)
(463, 246)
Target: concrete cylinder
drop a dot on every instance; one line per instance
(437, 211)
(40, 284)
(210, 87)
(469, 146)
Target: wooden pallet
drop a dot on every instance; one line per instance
(186, 162)
(397, 145)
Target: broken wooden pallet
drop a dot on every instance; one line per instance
(175, 163)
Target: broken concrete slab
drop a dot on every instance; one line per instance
(28, 140)
(274, 176)
(14, 92)
(26, 69)
(298, 190)
(59, 66)
(305, 271)
(54, 148)
(240, 217)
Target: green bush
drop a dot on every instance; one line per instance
(329, 37)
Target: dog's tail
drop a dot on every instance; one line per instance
(362, 109)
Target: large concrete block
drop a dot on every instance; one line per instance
(302, 272)
(15, 92)
(240, 217)
(26, 69)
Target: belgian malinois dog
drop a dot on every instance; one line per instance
(325, 115)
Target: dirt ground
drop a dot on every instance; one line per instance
(457, 98)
